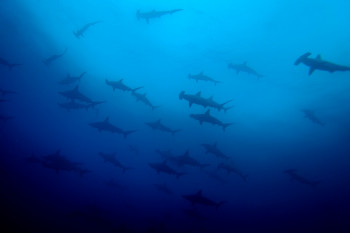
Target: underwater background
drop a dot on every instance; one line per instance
(79, 154)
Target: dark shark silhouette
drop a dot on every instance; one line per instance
(120, 85)
(204, 102)
(80, 32)
(58, 162)
(231, 168)
(244, 68)
(163, 167)
(163, 188)
(111, 158)
(143, 98)
(6, 118)
(206, 117)
(72, 105)
(107, 126)
(198, 198)
(70, 80)
(154, 14)
(8, 64)
(186, 159)
(75, 94)
(202, 77)
(294, 176)
(310, 114)
(319, 64)
(213, 149)
(6, 92)
(158, 125)
(54, 57)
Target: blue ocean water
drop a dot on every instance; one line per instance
(281, 164)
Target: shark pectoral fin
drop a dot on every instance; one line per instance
(312, 69)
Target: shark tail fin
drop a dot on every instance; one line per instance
(223, 104)
(224, 126)
(175, 131)
(76, 34)
(126, 133)
(220, 204)
(10, 66)
(181, 95)
(81, 75)
(302, 58)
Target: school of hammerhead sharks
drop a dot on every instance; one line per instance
(169, 163)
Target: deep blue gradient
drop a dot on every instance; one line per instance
(270, 133)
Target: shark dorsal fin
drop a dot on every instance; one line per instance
(199, 93)
(199, 193)
(106, 120)
(207, 112)
(121, 80)
(319, 57)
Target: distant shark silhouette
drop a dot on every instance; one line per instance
(107, 126)
(206, 117)
(80, 32)
(154, 14)
(163, 167)
(319, 64)
(158, 125)
(72, 105)
(75, 94)
(6, 118)
(213, 149)
(294, 176)
(198, 198)
(244, 68)
(143, 98)
(70, 80)
(6, 92)
(54, 57)
(111, 158)
(202, 77)
(231, 168)
(204, 102)
(163, 188)
(120, 85)
(186, 159)
(58, 162)
(8, 64)
(310, 114)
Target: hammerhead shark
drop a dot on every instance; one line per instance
(107, 126)
(54, 57)
(202, 77)
(198, 198)
(319, 64)
(70, 79)
(8, 64)
(206, 117)
(154, 14)
(244, 68)
(158, 125)
(80, 32)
